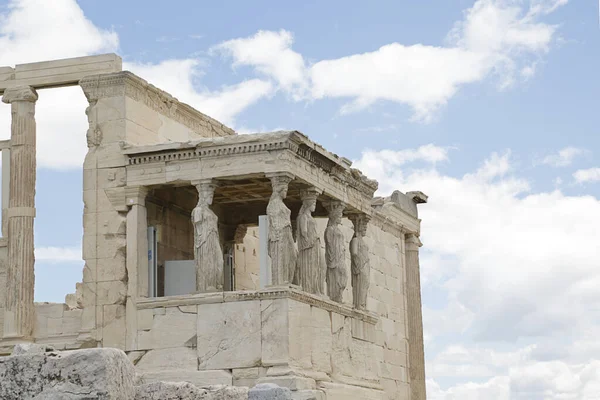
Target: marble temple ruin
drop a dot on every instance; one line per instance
(214, 258)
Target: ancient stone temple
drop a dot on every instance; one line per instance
(212, 257)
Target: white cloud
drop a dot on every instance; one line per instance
(495, 37)
(494, 389)
(587, 175)
(39, 30)
(181, 79)
(36, 30)
(564, 157)
(58, 254)
(515, 266)
(385, 163)
(271, 54)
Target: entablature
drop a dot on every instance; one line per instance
(252, 157)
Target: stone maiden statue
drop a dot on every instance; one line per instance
(335, 252)
(208, 254)
(282, 248)
(308, 271)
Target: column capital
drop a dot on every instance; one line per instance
(334, 206)
(202, 182)
(310, 193)
(136, 195)
(281, 177)
(412, 242)
(360, 222)
(20, 93)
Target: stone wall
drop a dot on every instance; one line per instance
(281, 336)
(388, 364)
(246, 261)
(169, 211)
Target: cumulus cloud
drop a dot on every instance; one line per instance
(287, 68)
(515, 266)
(495, 37)
(587, 175)
(36, 30)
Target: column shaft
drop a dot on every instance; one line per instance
(20, 280)
(415, 320)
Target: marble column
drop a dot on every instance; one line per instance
(415, 318)
(361, 266)
(19, 312)
(138, 272)
(282, 248)
(137, 242)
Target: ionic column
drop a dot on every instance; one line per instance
(19, 312)
(415, 318)
(361, 266)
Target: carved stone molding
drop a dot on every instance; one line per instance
(280, 292)
(127, 84)
(297, 143)
(20, 93)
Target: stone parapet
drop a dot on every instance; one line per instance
(273, 293)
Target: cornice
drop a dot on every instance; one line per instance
(127, 84)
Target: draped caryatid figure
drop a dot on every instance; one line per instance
(308, 269)
(207, 246)
(335, 252)
(282, 248)
(361, 267)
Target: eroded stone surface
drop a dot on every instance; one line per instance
(229, 335)
(168, 391)
(103, 374)
(269, 391)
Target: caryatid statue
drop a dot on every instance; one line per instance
(361, 267)
(207, 246)
(309, 274)
(282, 248)
(335, 252)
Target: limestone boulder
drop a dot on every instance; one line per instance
(100, 374)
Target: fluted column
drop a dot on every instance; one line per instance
(19, 312)
(415, 319)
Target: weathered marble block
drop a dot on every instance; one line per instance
(229, 335)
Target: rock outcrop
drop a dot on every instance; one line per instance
(38, 372)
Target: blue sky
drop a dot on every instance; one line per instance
(489, 106)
